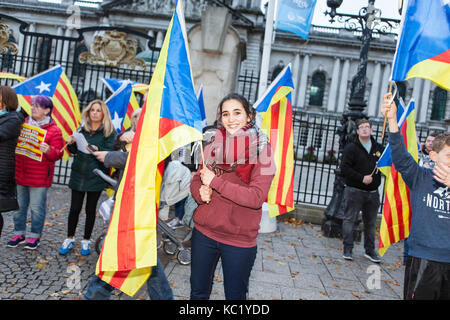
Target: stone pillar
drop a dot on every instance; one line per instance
(384, 86)
(334, 84)
(159, 39)
(216, 52)
(416, 94)
(422, 110)
(295, 71)
(373, 98)
(303, 83)
(343, 86)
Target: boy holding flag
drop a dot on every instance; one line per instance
(427, 273)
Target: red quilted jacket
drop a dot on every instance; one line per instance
(32, 173)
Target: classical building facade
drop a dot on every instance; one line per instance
(226, 41)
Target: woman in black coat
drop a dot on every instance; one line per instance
(10, 127)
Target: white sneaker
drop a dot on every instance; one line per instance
(66, 246)
(85, 247)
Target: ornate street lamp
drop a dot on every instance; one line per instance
(368, 21)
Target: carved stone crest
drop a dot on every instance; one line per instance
(113, 49)
(5, 46)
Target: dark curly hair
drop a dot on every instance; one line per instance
(235, 96)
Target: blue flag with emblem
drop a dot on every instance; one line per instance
(295, 16)
(118, 104)
(41, 84)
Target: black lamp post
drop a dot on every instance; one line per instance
(368, 21)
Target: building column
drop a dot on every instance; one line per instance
(331, 106)
(422, 110)
(417, 92)
(159, 39)
(384, 86)
(303, 82)
(373, 98)
(65, 50)
(295, 72)
(343, 87)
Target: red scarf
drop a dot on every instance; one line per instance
(237, 152)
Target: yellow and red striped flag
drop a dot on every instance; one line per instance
(54, 84)
(275, 109)
(168, 120)
(396, 219)
(8, 75)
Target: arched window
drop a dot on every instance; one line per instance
(439, 104)
(317, 89)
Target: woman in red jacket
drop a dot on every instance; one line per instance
(34, 177)
(230, 192)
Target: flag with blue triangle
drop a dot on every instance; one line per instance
(42, 84)
(118, 104)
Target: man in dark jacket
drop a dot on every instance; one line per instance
(362, 180)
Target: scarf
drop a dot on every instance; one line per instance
(40, 123)
(237, 152)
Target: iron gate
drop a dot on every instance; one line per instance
(113, 55)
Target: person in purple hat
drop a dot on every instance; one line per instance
(34, 177)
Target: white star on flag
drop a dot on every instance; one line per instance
(43, 87)
(117, 122)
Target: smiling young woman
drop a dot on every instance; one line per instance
(230, 191)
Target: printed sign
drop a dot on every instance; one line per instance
(29, 140)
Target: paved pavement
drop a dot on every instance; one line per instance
(294, 262)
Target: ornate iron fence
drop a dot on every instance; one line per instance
(113, 55)
(315, 134)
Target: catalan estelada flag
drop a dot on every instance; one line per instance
(168, 120)
(423, 49)
(114, 85)
(396, 219)
(275, 109)
(54, 84)
(8, 75)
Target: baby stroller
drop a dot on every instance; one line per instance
(170, 244)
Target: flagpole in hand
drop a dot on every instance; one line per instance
(385, 118)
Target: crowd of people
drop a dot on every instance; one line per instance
(229, 186)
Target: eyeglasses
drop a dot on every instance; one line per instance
(36, 105)
(364, 127)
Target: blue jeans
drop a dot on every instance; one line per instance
(237, 264)
(179, 209)
(157, 285)
(36, 199)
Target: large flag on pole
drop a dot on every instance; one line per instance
(295, 16)
(275, 109)
(396, 218)
(423, 49)
(54, 84)
(129, 249)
